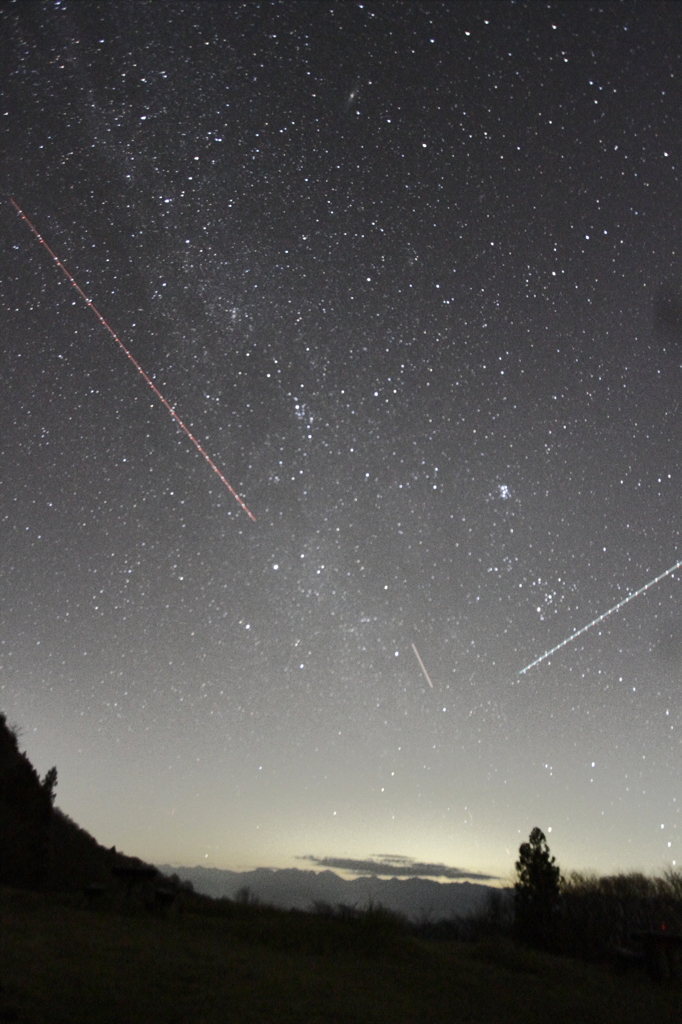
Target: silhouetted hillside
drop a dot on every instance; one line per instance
(40, 846)
(76, 859)
(25, 815)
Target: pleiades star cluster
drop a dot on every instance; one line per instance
(410, 274)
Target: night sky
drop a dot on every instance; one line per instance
(412, 275)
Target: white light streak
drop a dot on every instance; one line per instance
(423, 668)
(600, 618)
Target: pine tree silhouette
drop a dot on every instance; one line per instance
(537, 891)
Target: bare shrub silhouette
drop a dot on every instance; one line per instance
(600, 916)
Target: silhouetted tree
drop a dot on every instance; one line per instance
(49, 783)
(537, 891)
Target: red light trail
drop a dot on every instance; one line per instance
(134, 361)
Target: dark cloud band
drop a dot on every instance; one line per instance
(398, 867)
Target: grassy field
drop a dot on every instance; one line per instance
(62, 962)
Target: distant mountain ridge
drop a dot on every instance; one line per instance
(416, 898)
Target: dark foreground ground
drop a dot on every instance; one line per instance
(63, 962)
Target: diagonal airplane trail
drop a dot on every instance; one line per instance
(600, 618)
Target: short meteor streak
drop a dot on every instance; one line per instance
(134, 361)
(600, 618)
(423, 667)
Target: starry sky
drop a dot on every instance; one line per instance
(411, 274)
